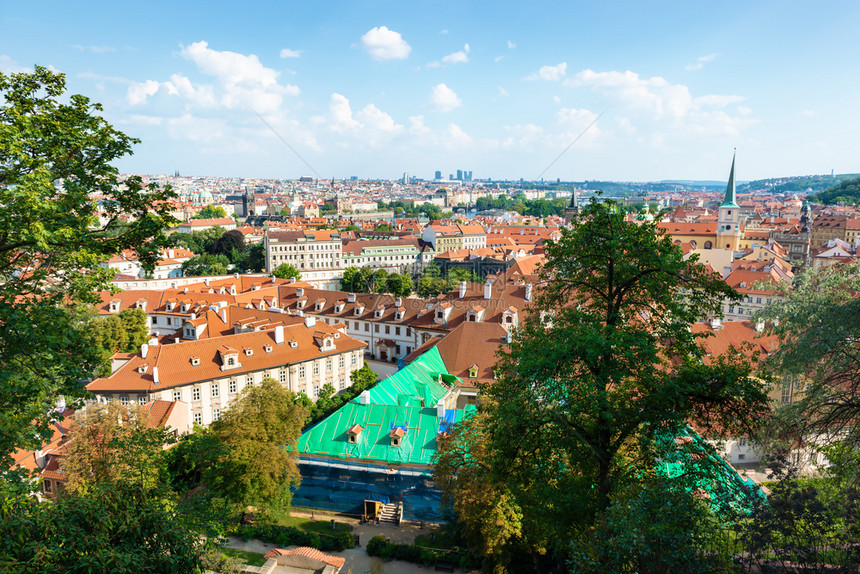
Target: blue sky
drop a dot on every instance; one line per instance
(501, 88)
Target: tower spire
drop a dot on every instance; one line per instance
(731, 199)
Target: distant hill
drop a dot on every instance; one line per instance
(847, 191)
(797, 184)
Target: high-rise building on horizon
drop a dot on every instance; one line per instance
(438, 175)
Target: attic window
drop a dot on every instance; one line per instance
(440, 315)
(268, 348)
(359, 311)
(231, 361)
(248, 351)
(114, 306)
(509, 319)
(398, 316)
(396, 435)
(473, 372)
(302, 303)
(293, 344)
(195, 361)
(184, 308)
(743, 284)
(379, 312)
(142, 369)
(320, 305)
(169, 306)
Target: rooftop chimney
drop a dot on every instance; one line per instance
(715, 323)
(350, 298)
(528, 292)
(155, 378)
(300, 292)
(759, 326)
(193, 316)
(398, 301)
(224, 314)
(279, 335)
(463, 286)
(488, 290)
(440, 410)
(364, 397)
(206, 282)
(144, 349)
(310, 321)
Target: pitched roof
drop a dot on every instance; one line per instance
(336, 561)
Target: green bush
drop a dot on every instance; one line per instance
(379, 546)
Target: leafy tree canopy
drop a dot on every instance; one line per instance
(211, 212)
(64, 211)
(206, 264)
(603, 362)
(287, 271)
(846, 191)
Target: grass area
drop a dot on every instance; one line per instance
(437, 538)
(318, 526)
(250, 558)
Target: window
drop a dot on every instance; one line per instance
(376, 328)
(340, 362)
(342, 384)
(231, 387)
(742, 441)
(47, 485)
(353, 359)
(786, 393)
(216, 414)
(231, 361)
(387, 330)
(316, 391)
(216, 389)
(316, 368)
(397, 331)
(195, 394)
(283, 376)
(301, 371)
(155, 320)
(741, 456)
(366, 327)
(141, 400)
(177, 395)
(198, 418)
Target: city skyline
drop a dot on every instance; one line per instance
(502, 89)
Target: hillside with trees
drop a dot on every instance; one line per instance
(847, 191)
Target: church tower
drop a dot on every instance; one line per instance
(728, 220)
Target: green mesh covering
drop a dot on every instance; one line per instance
(406, 399)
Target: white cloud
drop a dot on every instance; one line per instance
(556, 99)
(459, 57)
(287, 53)
(657, 100)
(498, 58)
(370, 125)
(444, 98)
(10, 66)
(241, 80)
(455, 137)
(550, 73)
(502, 91)
(511, 45)
(700, 62)
(341, 113)
(384, 44)
(139, 92)
(809, 113)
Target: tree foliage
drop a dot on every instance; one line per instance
(286, 271)
(211, 212)
(116, 513)
(846, 191)
(259, 436)
(64, 211)
(205, 264)
(124, 332)
(604, 361)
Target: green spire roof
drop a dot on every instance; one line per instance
(731, 199)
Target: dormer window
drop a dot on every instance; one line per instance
(359, 309)
(743, 285)
(329, 343)
(142, 369)
(396, 435)
(398, 316)
(473, 372)
(231, 361)
(195, 361)
(141, 304)
(184, 308)
(440, 315)
(338, 307)
(379, 312)
(320, 304)
(248, 351)
(229, 357)
(170, 305)
(293, 345)
(268, 348)
(353, 432)
(190, 332)
(114, 306)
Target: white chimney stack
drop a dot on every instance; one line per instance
(759, 327)
(364, 397)
(144, 349)
(279, 335)
(440, 409)
(350, 298)
(310, 321)
(715, 323)
(300, 292)
(463, 286)
(528, 292)
(153, 342)
(224, 314)
(193, 316)
(398, 301)
(155, 378)
(488, 290)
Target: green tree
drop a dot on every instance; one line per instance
(259, 434)
(817, 325)
(121, 333)
(205, 264)
(65, 209)
(380, 281)
(199, 242)
(603, 362)
(286, 271)
(228, 243)
(115, 514)
(399, 284)
(211, 212)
